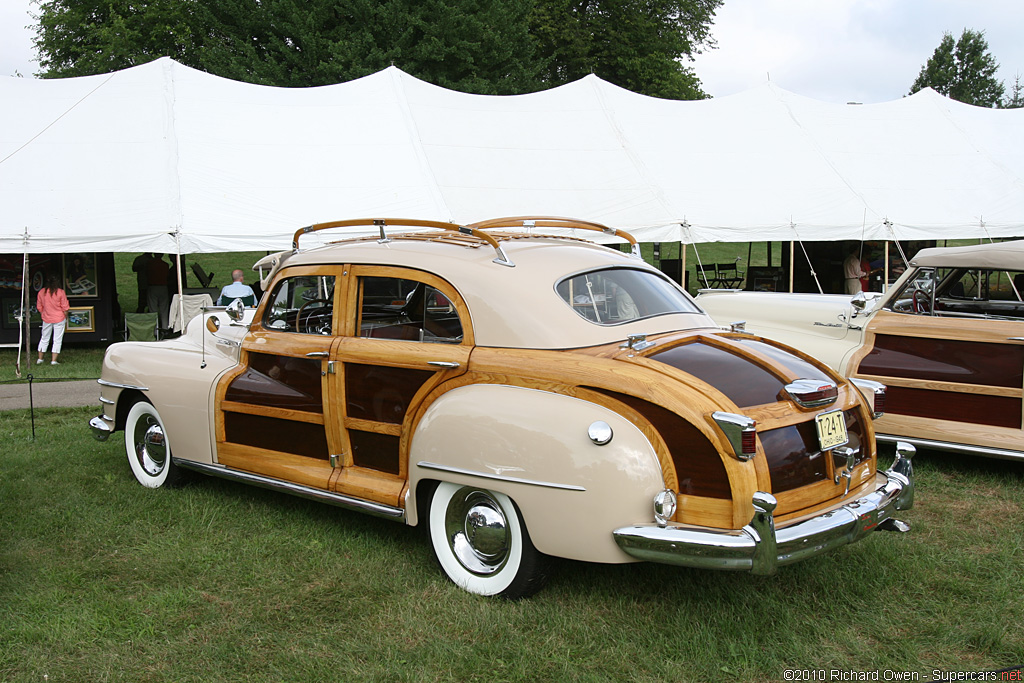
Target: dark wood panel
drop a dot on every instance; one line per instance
(798, 366)
(279, 381)
(275, 434)
(375, 451)
(744, 382)
(946, 360)
(381, 393)
(995, 411)
(699, 466)
(794, 457)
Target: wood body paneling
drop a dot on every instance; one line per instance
(959, 380)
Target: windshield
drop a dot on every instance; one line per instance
(620, 295)
(963, 293)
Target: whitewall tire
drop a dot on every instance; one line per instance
(148, 447)
(481, 542)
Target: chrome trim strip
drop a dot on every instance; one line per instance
(486, 475)
(336, 499)
(107, 401)
(986, 451)
(117, 385)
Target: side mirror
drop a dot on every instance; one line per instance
(859, 301)
(235, 310)
(212, 323)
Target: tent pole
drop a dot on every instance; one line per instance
(682, 266)
(792, 263)
(181, 290)
(885, 273)
(26, 317)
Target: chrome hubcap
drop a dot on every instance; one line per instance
(150, 445)
(477, 531)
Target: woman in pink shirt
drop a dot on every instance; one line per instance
(52, 304)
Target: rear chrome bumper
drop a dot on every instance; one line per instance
(758, 547)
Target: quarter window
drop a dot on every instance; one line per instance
(621, 295)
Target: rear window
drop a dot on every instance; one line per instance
(620, 295)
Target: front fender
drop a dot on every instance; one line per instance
(173, 377)
(534, 447)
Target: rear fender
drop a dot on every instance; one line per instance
(534, 447)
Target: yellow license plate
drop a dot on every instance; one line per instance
(831, 429)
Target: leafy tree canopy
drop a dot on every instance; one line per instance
(639, 45)
(480, 46)
(963, 70)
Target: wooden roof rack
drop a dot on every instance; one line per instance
(474, 229)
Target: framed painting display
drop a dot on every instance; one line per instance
(80, 275)
(11, 311)
(81, 319)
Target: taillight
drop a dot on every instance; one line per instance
(749, 442)
(874, 392)
(741, 432)
(880, 403)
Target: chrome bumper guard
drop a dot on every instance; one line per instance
(758, 547)
(101, 428)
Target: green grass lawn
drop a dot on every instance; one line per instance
(77, 361)
(103, 580)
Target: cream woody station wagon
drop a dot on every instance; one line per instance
(947, 340)
(520, 395)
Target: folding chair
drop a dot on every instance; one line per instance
(249, 301)
(702, 274)
(141, 326)
(729, 276)
(203, 277)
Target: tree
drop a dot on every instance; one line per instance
(636, 44)
(479, 46)
(85, 37)
(963, 70)
(1015, 100)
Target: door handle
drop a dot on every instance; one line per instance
(1015, 339)
(318, 354)
(443, 364)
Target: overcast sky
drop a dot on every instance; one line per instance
(832, 50)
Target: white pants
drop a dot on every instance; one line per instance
(853, 285)
(55, 329)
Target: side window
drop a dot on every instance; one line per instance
(396, 308)
(302, 304)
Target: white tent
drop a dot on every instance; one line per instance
(165, 158)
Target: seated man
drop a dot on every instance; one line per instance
(237, 290)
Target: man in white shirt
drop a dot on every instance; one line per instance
(236, 290)
(852, 273)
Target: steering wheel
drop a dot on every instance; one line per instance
(921, 302)
(317, 321)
